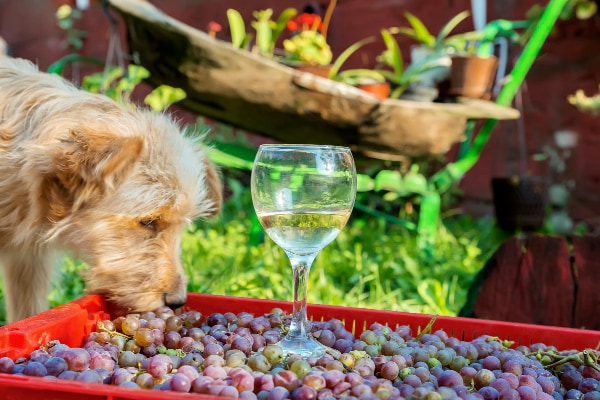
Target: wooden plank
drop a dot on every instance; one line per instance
(528, 280)
(268, 98)
(586, 251)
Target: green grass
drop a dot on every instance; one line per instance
(371, 264)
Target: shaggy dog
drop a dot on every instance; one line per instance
(112, 184)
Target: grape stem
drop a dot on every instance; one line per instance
(587, 357)
(100, 327)
(427, 328)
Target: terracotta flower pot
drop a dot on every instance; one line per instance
(473, 76)
(381, 90)
(316, 69)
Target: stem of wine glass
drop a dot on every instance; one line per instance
(301, 268)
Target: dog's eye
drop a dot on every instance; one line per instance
(150, 224)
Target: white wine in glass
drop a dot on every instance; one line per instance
(303, 196)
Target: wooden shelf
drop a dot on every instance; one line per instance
(265, 97)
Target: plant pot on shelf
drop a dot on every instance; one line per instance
(519, 202)
(473, 76)
(381, 90)
(323, 71)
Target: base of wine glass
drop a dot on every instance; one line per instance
(306, 347)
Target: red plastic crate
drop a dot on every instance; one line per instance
(71, 322)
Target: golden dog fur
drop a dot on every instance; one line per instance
(113, 184)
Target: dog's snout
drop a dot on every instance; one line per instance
(174, 300)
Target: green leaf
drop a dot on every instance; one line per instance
(394, 55)
(356, 76)
(163, 96)
(341, 59)
(282, 21)
(364, 183)
(449, 27)
(415, 182)
(59, 66)
(236, 27)
(388, 180)
(262, 26)
(232, 155)
(586, 9)
(64, 11)
(421, 32)
(100, 82)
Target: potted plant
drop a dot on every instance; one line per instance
(267, 30)
(368, 80)
(308, 50)
(402, 78)
(430, 45)
(474, 66)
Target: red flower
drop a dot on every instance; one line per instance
(305, 22)
(292, 25)
(213, 28)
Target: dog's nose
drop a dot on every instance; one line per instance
(174, 300)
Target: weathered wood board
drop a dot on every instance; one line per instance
(540, 280)
(268, 98)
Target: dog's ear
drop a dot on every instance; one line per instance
(89, 161)
(215, 187)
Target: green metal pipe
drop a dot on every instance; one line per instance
(455, 171)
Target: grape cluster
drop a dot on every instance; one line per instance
(237, 355)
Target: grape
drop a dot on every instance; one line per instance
(39, 355)
(258, 362)
(171, 339)
(55, 366)
(571, 379)
(237, 355)
(483, 378)
(35, 368)
(488, 393)
(174, 323)
(263, 382)
(68, 375)
(278, 393)
(248, 395)
(586, 385)
(159, 365)
(130, 324)
(235, 358)
(180, 382)
(491, 363)
(192, 359)
(102, 361)
(513, 366)
(121, 375)
(90, 375)
(527, 393)
(325, 336)
(273, 353)
(77, 359)
(304, 393)
(287, 379)
(215, 372)
(450, 378)
(242, 380)
(242, 344)
(595, 395)
(300, 368)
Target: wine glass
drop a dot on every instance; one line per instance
(303, 196)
